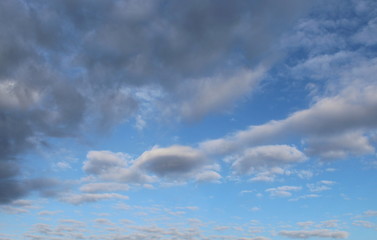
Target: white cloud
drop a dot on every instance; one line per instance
(320, 186)
(283, 191)
(319, 233)
(266, 157)
(305, 197)
(266, 162)
(208, 176)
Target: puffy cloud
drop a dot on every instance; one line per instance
(283, 191)
(319, 233)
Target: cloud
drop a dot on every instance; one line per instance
(13, 189)
(172, 164)
(78, 199)
(363, 223)
(339, 146)
(328, 117)
(208, 176)
(104, 187)
(17, 207)
(283, 191)
(319, 233)
(101, 161)
(320, 186)
(267, 157)
(367, 34)
(199, 99)
(48, 213)
(370, 213)
(65, 72)
(305, 197)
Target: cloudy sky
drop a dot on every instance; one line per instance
(200, 119)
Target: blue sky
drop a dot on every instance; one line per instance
(229, 120)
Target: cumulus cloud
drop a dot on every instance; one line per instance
(319, 233)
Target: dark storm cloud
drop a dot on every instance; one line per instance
(65, 64)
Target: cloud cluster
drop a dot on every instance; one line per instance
(329, 119)
(173, 164)
(73, 65)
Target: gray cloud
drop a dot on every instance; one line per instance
(101, 161)
(70, 65)
(319, 233)
(172, 164)
(328, 117)
(12, 189)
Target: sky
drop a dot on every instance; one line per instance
(193, 120)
